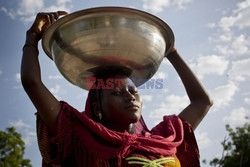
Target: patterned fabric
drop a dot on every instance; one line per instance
(81, 142)
(161, 162)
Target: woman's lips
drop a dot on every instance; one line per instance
(132, 107)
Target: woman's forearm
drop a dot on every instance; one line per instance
(46, 104)
(30, 68)
(200, 101)
(194, 88)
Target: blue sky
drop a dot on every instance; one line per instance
(212, 36)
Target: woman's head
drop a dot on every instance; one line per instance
(118, 106)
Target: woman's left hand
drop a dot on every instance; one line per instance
(43, 21)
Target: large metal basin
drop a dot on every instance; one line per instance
(81, 42)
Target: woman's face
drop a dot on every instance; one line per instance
(122, 105)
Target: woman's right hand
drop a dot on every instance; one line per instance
(43, 21)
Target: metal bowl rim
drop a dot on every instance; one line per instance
(49, 32)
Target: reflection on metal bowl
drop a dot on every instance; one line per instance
(107, 36)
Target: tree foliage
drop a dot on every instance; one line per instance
(236, 148)
(12, 149)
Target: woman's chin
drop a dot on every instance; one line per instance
(135, 119)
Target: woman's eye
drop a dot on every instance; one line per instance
(133, 91)
(116, 93)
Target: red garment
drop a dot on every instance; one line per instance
(82, 142)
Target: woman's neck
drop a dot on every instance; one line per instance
(120, 128)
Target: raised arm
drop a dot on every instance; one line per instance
(200, 101)
(46, 104)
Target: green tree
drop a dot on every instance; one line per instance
(12, 149)
(236, 148)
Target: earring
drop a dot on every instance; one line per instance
(99, 115)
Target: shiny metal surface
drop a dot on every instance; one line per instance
(81, 42)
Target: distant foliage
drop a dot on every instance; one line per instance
(236, 148)
(12, 149)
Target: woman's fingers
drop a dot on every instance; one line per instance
(61, 13)
(44, 20)
(52, 18)
(55, 15)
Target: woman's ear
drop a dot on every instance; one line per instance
(96, 108)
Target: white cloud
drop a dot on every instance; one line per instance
(55, 77)
(147, 98)
(211, 64)
(241, 45)
(239, 17)
(240, 70)
(237, 117)
(157, 6)
(230, 40)
(172, 105)
(233, 45)
(8, 12)
(27, 9)
(243, 5)
(160, 75)
(81, 95)
(19, 124)
(18, 77)
(224, 49)
(243, 11)
(227, 22)
(211, 25)
(62, 5)
(222, 95)
(29, 138)
(62, 2)
(227, 37)
(18, 81)
(57, 91)
(182, 4)
(247, 100)
(203, 139)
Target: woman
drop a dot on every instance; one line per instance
(111, 131)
